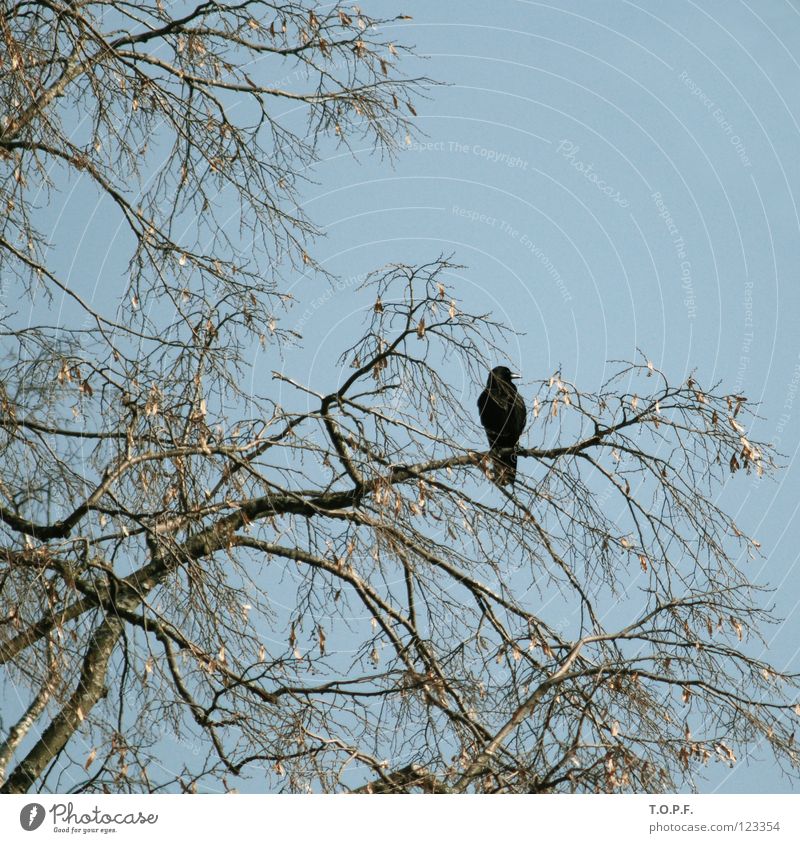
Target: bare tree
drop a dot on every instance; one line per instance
(330, 595)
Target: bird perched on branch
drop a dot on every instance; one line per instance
(503, 415)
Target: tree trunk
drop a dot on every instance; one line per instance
(90, 688)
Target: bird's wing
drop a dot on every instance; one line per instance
(488, 410)
(483, 406)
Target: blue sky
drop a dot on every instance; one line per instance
(613, 176)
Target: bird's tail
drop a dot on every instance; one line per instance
(504, 468)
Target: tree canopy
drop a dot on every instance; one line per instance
(315, 587)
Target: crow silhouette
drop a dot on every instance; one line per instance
(503, 415)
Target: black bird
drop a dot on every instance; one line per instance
(503, 415)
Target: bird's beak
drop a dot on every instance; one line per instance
(515, 376)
